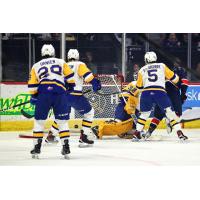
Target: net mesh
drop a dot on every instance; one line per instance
(104, 105)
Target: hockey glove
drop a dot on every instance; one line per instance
(34, 99)
(96, 84)
(183, 98)
(69, 86)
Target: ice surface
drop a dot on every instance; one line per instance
(161, 150)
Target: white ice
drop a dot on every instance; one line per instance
(161, 150)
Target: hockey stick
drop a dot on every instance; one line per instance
(28, 116)
(132, 115)
(26, 136)
(25, 114)
(15, 106)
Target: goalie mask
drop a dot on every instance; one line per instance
(73, 54)
(47, 50)
(150, 57)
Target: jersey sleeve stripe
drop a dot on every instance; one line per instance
(32, 91)
(69, 76)
(174, 78)
(89, 77)
(86, 74)
(139, 87)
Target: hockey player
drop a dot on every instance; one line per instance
(47, 87)
(151, 79)
(77, 99)
(123, 122)
(177, 95)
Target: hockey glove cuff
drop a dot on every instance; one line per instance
(96, 84)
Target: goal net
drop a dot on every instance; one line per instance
(105, 101)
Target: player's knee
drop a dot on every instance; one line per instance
(39, 125)
(62, 124)
(171, 115)
(144, 115)
(89, 115)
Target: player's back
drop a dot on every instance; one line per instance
(81, 74)
(48, 75)
(153, 76)
(49, 69)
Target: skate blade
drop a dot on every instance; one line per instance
(81, 145)
(183, 139)
(136, 140)
(51, 142)
(35, 156)
(66, 156)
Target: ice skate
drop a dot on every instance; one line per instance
(66, 149)
(181, 135)
(146, 135)
(51, 138)
(95, 131)
(168, 126)
(36, 151)
(136, 136)
(84, 141)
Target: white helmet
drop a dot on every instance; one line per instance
(73, 54)
(48, 50)
(150, 57)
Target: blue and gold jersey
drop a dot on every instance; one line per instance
(81, 74)
(153, 76)
(50, 74)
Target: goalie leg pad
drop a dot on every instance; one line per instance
(113, 128)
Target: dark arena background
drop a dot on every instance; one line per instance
(106, 54)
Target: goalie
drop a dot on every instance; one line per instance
(123, 122)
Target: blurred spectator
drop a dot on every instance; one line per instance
(135, 71)
(195, 38)
(171, 41)
(56, 36)
(184, 40)
(90, 63)
(132, 73)
(177, 62)
(162, 37)
(6, 36)
(198, 68)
